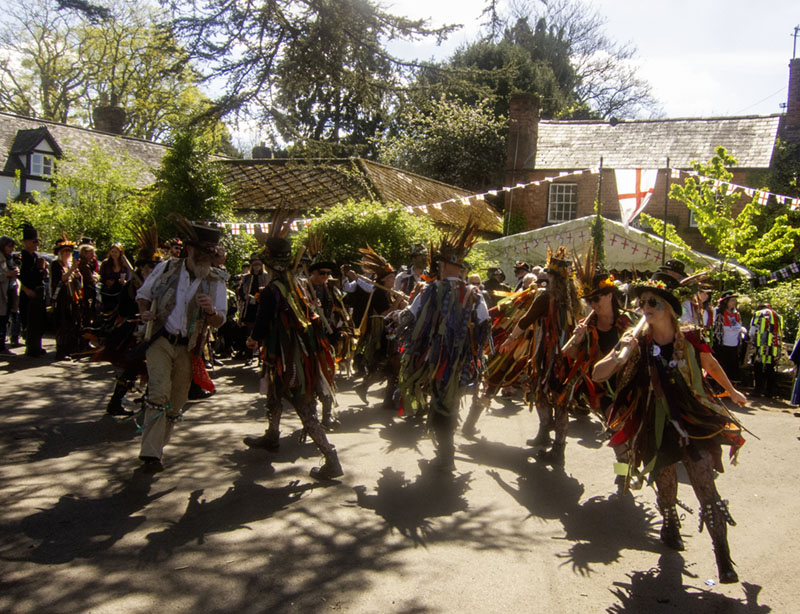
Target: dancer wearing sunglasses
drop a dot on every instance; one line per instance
(666, 413)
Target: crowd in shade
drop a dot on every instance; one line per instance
(658, 360)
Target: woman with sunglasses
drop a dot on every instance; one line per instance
(665, 412)
(595, 336)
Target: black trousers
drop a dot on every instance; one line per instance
(33, 311)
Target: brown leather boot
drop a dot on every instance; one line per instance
(331, 469)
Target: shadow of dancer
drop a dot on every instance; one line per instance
(408, 506)
(77, 527)
(601, 528)
(662, 589)
(242, 503)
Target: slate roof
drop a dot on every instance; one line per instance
(77, 142)
(263, 185)
(646, 143)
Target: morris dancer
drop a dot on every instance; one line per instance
(297, 359)
(183, 297)
(666, 413)
(443, 332)
(376, 349)
(555, 313)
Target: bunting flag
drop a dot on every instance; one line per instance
(787, 272)
(635, 187)
(727, 188)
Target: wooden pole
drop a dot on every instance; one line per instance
(666, 202)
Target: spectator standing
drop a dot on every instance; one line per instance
(8, 288)
(766, 335)
(728, 333)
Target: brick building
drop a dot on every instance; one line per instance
(543, 148)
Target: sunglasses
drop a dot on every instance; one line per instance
(653, 302)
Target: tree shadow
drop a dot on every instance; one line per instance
(662, 589)
(408, 506)
(546, 492)
(78, 527)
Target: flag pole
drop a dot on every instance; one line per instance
(666, 202)
(600, 184)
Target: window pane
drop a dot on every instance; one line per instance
(36, 164)
(562, 202)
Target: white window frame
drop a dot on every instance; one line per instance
(692, 221)
(562, 202)
(41, 165)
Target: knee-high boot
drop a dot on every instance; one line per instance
(716, 517)
(479, 403)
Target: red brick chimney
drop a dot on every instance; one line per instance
(791, 121)
(109, 118)
(523, 132)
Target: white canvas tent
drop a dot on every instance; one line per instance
(629, 249)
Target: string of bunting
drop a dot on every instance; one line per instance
(787, 272)
(762, 196)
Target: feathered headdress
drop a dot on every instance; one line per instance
(147, 239)
(372, 264)
(590, 280)
(277, 253)
(63, 243)
(455, 247)
(558, 263)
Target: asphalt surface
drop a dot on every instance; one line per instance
(229, 529)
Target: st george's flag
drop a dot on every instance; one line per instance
(635, 187)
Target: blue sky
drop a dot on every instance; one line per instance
(702, 57)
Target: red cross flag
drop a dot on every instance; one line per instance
(635, 187)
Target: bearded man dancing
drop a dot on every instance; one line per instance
(183, 298)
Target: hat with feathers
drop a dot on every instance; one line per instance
(146, 237)
(196, 235)
(455, 247)
(590, 279)
(558, 262)
(276, 250)
(373, 264)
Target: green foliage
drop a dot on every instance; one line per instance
(238, 249)
(784, 177)
(656, 226)
(389, 229)
(514, 222)
(460, 144)
(189, 184)
(71, 63)
(478, 262)
(96, 198)
(760, 237)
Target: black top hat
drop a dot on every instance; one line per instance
(277, 252)
(29, 233)
(519, 264)
(322, 265)
(676, 267)
(207, 236)
(662, 284)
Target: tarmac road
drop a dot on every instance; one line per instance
(228, 529)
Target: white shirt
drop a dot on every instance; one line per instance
(350, 286)
(176, 323)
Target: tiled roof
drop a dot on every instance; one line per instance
(263, 185)
(77, 142)
(646, 143)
